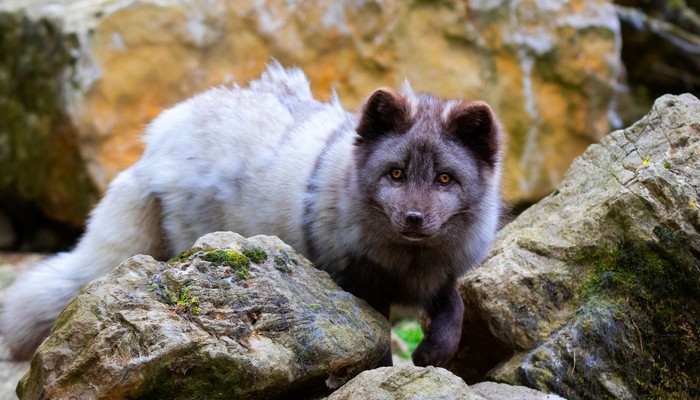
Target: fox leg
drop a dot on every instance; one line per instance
(441, 341)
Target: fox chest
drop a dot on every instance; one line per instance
(413, 284)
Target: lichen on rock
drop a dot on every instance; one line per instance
(193, 328)
(405, 382)
(595, 291)
(39, 143)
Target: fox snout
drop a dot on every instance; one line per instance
(414, 218)
(413, 225)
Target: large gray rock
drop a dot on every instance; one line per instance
(595, 291)
(405, 382)
(249, 320)
(501, 391)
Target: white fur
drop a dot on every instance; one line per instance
(235, 159)
(200, 156)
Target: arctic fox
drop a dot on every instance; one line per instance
(395, 203)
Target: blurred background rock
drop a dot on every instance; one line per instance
(79, 80)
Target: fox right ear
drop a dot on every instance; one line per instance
(475, 125)
(384, 112)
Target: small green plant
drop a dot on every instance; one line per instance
(411, 333)
(184, 255)
(256, 255)
(283, 262)
(183, 301)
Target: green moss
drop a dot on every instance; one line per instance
(239, 262)
(652, 289)
(304, 356)
(281, 265)
(256, 255)
(283, 261)
(198, 376)
(232, 258)
(185, 255)
(677, 4)
(315, 307)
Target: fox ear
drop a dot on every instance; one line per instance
(385, 111)
(474, 124)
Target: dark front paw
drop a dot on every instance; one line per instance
(435, 352)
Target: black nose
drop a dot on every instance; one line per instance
(414, 218)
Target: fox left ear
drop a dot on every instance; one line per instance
(385, 111)
(474, 124)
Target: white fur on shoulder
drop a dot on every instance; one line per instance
(276, 77)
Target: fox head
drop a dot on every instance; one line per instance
(428, 168)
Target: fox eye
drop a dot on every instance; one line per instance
(396, 174)
(444, 179)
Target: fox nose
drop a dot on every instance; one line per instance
(414, 218)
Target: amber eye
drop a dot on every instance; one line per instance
(396, 174)
(444, 179)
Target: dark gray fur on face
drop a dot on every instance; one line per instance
(417, 230)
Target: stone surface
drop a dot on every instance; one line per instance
(500, 391)
(595, 291)
(39, 144)
(405, 382)
(661, 48)
(86, 77)
(252, 321)
(7, 233)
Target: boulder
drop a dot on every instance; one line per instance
(80, 80)
(230, 318)
(594, 292)
(7, 233)
(405, 382)
(40, 145)
(501, 391)
(661, 49)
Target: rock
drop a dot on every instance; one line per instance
(595, 291)
(500, 391)
(250, 319)
(7, 233)
(661, 48)
(40, 144)
(103, 69)
(405, 382)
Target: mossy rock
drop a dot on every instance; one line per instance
(40, 155)
(595, 291)
(192, 328)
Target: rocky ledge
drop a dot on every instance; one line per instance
(594, 292)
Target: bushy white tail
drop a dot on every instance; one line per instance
(126, 222)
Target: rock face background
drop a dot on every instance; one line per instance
(81, 79)
(661, 48)
(594, 292)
